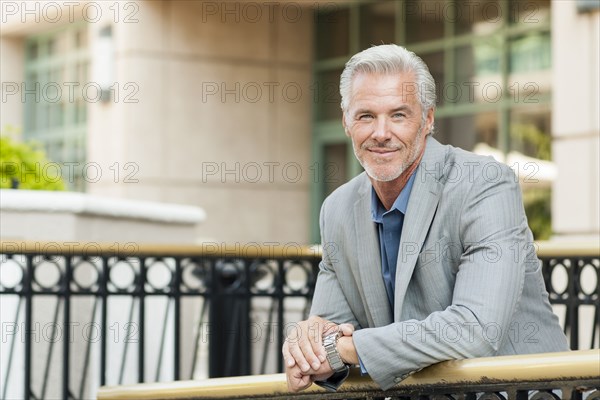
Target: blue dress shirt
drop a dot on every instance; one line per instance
(389, 225)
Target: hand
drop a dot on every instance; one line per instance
(304, 347)
(298, 380)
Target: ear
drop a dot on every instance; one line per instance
(344, 124)
(429, 120)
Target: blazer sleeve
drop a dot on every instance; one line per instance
(329, 301)
(488, 286)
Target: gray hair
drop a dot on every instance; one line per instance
(389, 59)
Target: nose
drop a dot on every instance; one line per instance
(381, 130)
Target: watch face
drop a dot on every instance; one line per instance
(331, 338)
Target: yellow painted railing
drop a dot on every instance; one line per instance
(558, 368)
(262, 250)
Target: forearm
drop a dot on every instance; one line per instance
(390, 353)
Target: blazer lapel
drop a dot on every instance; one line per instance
(369, 260)
(422, 205)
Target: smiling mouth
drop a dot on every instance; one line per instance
(383, 151)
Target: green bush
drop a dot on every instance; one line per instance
(539, 212)
(25, 166)
(530, 140)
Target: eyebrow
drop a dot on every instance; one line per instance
(404, 108)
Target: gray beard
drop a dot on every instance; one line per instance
(403, 167)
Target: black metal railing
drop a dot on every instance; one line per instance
(572, 278)
(79, 316)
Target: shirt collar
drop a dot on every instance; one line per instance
(400, 204)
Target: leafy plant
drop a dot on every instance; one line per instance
(25, 166)
(538, 202)
(539, 212)
(532, 140)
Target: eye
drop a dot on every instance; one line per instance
(365, 117)
(399, 115)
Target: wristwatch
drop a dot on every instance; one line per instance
(333, 356)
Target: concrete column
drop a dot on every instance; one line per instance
(576, 121)
(13, 75)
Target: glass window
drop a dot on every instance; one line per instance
(530, 131)
(435, 63)
(477, 70)
(335, 168)
(54, 148)
(377, 24)
(476, 132)
(51, 49)
(32, 51)
(333, 24)
(528, 12)
(491, 60)
(424, 20)
(80, 111)
(530, 52)
(57, 46)
(80, 38)
(486, 55)
(53, 117)
(31, 122)
(476, 17)
(326, 95)
(81, 71)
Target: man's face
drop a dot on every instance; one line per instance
(384, 121)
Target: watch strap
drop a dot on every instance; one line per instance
(333, 356)
(334, 381)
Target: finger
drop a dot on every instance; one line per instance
(304, 382)
(292, 346)
(296, 381)
(299, 357)
(347, 329)
(296, 385)
(319, 327)
(311, 348)
(311, 344)
(287, 356)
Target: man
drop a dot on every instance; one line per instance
(427, 254)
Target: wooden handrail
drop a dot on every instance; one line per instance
(564, 366)
(207, 249)
(250, 249)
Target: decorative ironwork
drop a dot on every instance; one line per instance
(572, 282)
(91, 315)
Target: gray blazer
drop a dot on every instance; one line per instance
(468, 281)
